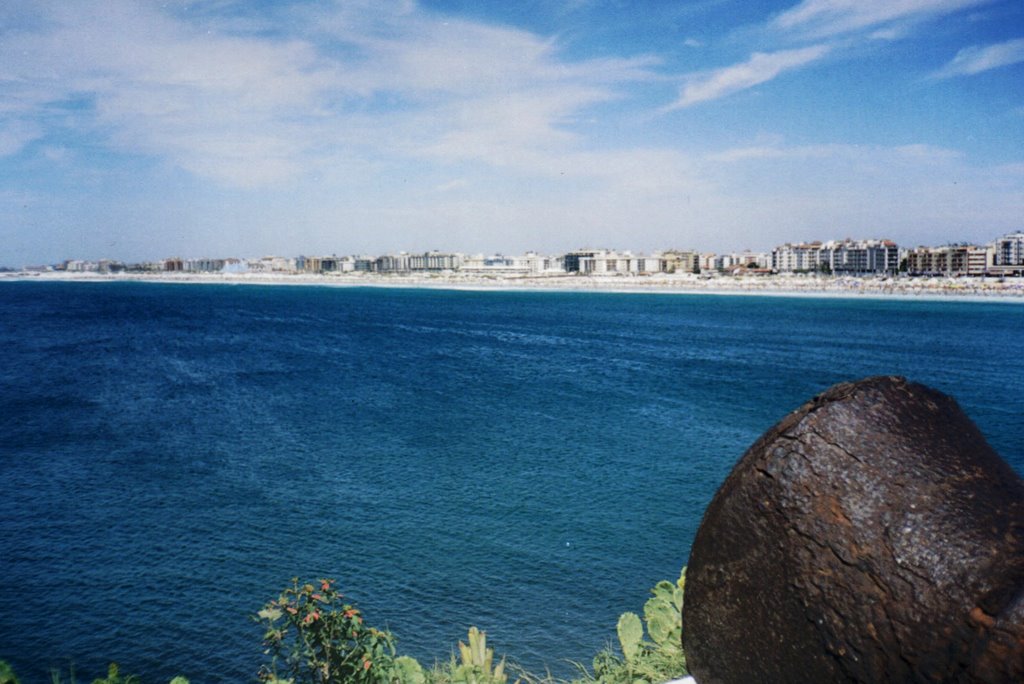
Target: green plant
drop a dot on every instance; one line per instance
(114, 677)
(313, 636)
(475, 660)
(7, 675)
(407, 670)
(655, 660)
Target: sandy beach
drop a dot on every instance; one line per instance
(986, 289)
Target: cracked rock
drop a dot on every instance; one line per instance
(873, 535)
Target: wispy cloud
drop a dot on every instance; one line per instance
(909, 153)
(979, 58)
(826, 18)
(760, 68)
(227, 101)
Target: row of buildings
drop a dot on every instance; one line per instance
(1002, 257)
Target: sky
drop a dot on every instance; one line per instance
(138, 130)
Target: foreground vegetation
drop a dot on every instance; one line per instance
(312, 636)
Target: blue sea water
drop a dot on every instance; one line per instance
(530, 463)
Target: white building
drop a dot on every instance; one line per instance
(272, 264)
(203, 265)
(498, 264)
(796, 257)
(393, 263)
(1008, 255)
(858, 257)
(434, 261)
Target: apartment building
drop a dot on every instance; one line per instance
(1008, 255)
(796, 257)
(858, 257)
(950, 260)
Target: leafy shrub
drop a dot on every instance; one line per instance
(313, 636)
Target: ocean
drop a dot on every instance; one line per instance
(529, 463)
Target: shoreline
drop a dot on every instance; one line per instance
(847, 287)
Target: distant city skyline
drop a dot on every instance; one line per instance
(140, 130)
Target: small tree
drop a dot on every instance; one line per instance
(313, 636)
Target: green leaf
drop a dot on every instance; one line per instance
(631, 633)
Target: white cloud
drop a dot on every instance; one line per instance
(246, 109)
(760, 68)
(821, 18)
(917, 152)
(978, 58)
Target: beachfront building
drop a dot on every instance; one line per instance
(1008, 255)
(747, 260)
(610, 262)
(531, 263)
(605, 262)
(573, 261)
(392, 263)
(272, 264)
(678, 261)
(320, 264)
(203, 265)
(434, 261)
(364, 264)
(799, 257)
(233, 265)
(860, 257)
(950, 260)
(539, 264)
(79, 266)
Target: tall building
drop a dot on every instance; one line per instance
(859, 257)
(1008, 255)
(796, 257)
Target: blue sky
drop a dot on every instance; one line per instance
(139, 130)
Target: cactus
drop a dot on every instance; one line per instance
(475, 667)
(631, 635)
(655, 660)
(663, 612)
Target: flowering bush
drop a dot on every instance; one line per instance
(313, 636)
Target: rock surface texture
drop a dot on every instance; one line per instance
(873, 535)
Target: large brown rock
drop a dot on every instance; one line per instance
(873, 535)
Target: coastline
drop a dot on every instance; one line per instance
(945, 289)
